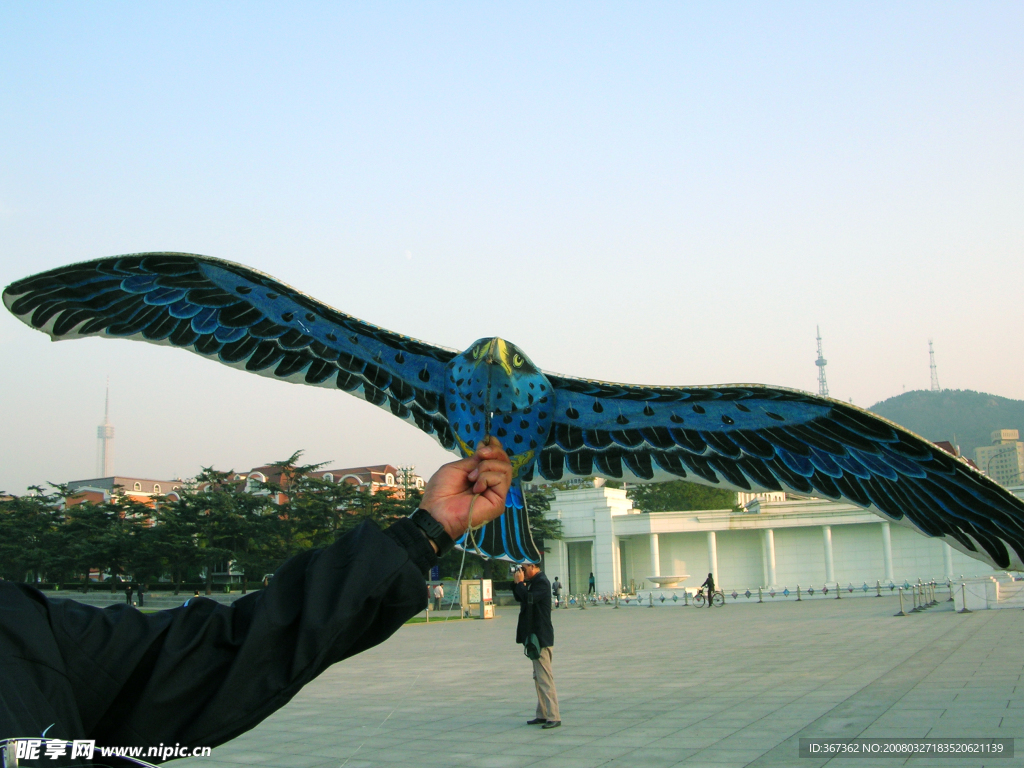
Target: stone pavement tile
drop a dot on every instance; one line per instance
(246, 757)
(717, 754)
(689, 741)
(628, 761)
(969, 731)
(279, 761)
(569, 762)
(601, 751)
(530, 749)
(908, 718)
(877, 731)
(473, 713)
(829, 727)
(973, 715)
(488, 761)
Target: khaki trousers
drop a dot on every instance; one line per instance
(547, 698)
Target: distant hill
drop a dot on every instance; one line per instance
(962, 416)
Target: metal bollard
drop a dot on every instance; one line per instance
(949, 586)
(917, 607)
(686, 596)
(878, 588)
(798, 593)
(839, 591)
(934, 590)
(963, 597)
(616, 600)
(901, 613)
(583, 603)
(759, 595)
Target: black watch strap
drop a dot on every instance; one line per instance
(434, 530)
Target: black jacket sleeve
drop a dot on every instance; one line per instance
(203, 673)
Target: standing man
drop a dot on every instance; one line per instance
(532, 591)
(556, 590)
(709, 582)
(438, 594)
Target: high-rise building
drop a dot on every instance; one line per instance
(1003, 461)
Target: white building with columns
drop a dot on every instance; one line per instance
(774, 543)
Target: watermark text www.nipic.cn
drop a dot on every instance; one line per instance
(42, 749)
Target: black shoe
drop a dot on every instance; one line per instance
(537, 721)
(551, 724)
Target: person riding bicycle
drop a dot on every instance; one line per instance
(709, 582)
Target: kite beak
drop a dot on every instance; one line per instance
(497, 354)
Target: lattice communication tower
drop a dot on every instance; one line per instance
(821, 362)
(935, 371)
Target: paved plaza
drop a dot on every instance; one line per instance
(658, 687)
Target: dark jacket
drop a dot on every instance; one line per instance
(535, 594)
(203, 673)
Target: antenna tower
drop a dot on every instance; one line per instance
(821, 362)
(105, 442)
(935, 371)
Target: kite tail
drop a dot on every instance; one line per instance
(508, 537)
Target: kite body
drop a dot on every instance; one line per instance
(739, 437)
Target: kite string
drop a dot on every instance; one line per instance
(444, 626)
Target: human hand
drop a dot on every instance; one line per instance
(518, 577)
(485, 476)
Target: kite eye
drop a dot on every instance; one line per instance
(478, 351)
(517, 361)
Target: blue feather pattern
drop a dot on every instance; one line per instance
(743, 437)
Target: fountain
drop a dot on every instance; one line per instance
(665, 582)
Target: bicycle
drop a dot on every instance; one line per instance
(717, 599)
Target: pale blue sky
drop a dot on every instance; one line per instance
(653, 193)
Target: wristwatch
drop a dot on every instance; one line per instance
(434, 531)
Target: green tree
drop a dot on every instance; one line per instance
(679, 496)
(176, 544)
(28, 526)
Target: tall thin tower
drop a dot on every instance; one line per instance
(105, 442)
(821, 362)
(935, 371)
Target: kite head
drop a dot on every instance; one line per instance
(493, 388)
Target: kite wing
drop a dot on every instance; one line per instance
(242, 318)
(756, 438)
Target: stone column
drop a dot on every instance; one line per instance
(713, 555)
(605, 552)
(830, 568)
(769, 555)
(947, 560)
(887, 551)
(655, 556)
